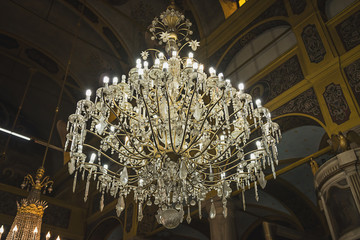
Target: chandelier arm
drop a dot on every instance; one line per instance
(114, 148)
(143, 156)
(151, 127)
(169, 119)
(31, 179)
(202, 125)
(187, 115)
(110, 158)
(122, 128)
(215, 134)
(121, 110)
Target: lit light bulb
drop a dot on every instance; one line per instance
(157, 62)
(1, 230)
(35, 230)
(48, 235)
(228, 81)
(241, 87)
(212, 71)
(106, 167)
(123, 78)
(221, 76)
(188, 62)
(174, 53)
(252, 156)
(165, 66)
(88, 94)
(58, 238)
(191, 55)
(201, 68)
(146, 64)
(161, 55)
(92, 158)
(223, 175)
(15, 228)
(258, 144)
(258, 102)
(195, 65)
(106, 79)
(115, 80)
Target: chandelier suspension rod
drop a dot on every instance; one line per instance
(76, 36)
(32, 71)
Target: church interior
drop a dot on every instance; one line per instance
(301, 58)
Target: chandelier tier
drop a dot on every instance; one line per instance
(169, 133)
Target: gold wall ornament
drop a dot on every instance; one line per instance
(175, 135)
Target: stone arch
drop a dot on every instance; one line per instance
(104, 228)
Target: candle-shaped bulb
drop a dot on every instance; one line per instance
(165, 66)
(222, 175)
(106, 79)
(241, 87)
(106, 167)
(188, 62)
(115, 80)
(258, 144)
(161, 55)
(138, 61)
(58, 238)
(195, 65)
(92, 158)
(258, 102)
(123, 78)
(221, 76)
(227, 81)
(157, 62)
(212, 71)
(1, 229)
(35, 230)
(201, 68)
(252, 156)
(146, 64)
(48, 235)
(222, 137)
(191, 55)
(88, 94)
(174, 53)
(15, 228)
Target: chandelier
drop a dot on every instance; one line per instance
(30, 211)
(170, 133)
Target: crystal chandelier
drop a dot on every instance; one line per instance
(169, 133)
(28, 220)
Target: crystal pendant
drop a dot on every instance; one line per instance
(102, 202)
(120, 206)
(211, 175)
(200, 215)
(212, 210)
(183, 171)
(262, 180)
(124, 177)
(197, 112)
(225, 211)
(140, 212)
(188, 218)
(74, 183)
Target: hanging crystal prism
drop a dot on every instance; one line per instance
(212, 210)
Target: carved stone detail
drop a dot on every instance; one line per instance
(349, 31)
(279, 80)
(306, 103)
(297, 6)
(313, 44)
(353, 75)
(335, 100)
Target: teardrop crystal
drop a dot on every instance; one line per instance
(188, 218)
(119, 207)
(262, 180)
(124, 177)
(183, 171)
(212, 210)
(140, 212)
